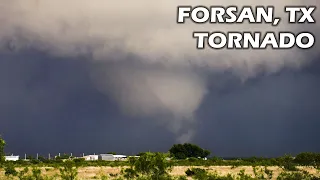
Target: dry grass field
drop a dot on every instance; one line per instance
(89, 173)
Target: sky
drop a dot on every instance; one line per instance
(83, 77)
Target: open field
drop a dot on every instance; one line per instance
(91, 172)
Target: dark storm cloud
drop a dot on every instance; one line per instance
(51, 105)
(267, 116)
(76, 79)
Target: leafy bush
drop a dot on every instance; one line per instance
(308, 159)
(268, 172)
(201, 174)
(182, 178)
(2, 145)
(36, 174)
(22, 174)
(287, 163)
(149, 165)
(197, 173)
(296, 176)
(243, 176)
(68, 171)
(189, 172)
(10, 170)
(130, 173)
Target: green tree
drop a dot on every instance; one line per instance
(307, 159)
(22, 175)
(10, 170)
(36, 174)
(187, 150)
(287, 163)
(296, 176)
(69, 171)
(152, 165)
(2, 145)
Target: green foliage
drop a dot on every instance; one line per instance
(22, 174)
(217, 177)
(190, 172)
(258, 173)
(36, 174)
(182, 178)
(201, 174)
(287, 163)
(268, 172)
(79, 161)
(296, 176)
(68, 171)
(154, 164)
(193, 159)
(262, 173)
(243, 176)
(141, 153)
(10, 170)
(149, 165)
(2, 145)
(187, 150)
(308, 159)
(196, 172)
(130, 173)
(64, 156)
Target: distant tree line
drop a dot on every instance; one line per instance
(182, 154)
(187, 150)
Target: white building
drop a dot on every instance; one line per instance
(111, 157)
(119, 157)
(11, 158)
(91, 157)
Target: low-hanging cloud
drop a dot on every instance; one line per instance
(165, 81)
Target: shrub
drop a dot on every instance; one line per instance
(130, 173)
(196, 173)
(258, 173)
(182, 178)
(10, 170)
(189, 172)
(22, 174)
(268, 172)
(287, 163)
(150, 165)
(36, 174)
(2, 145)
(243, 176)
(68, 171)
(296, 176)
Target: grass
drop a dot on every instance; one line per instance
(94, 172)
